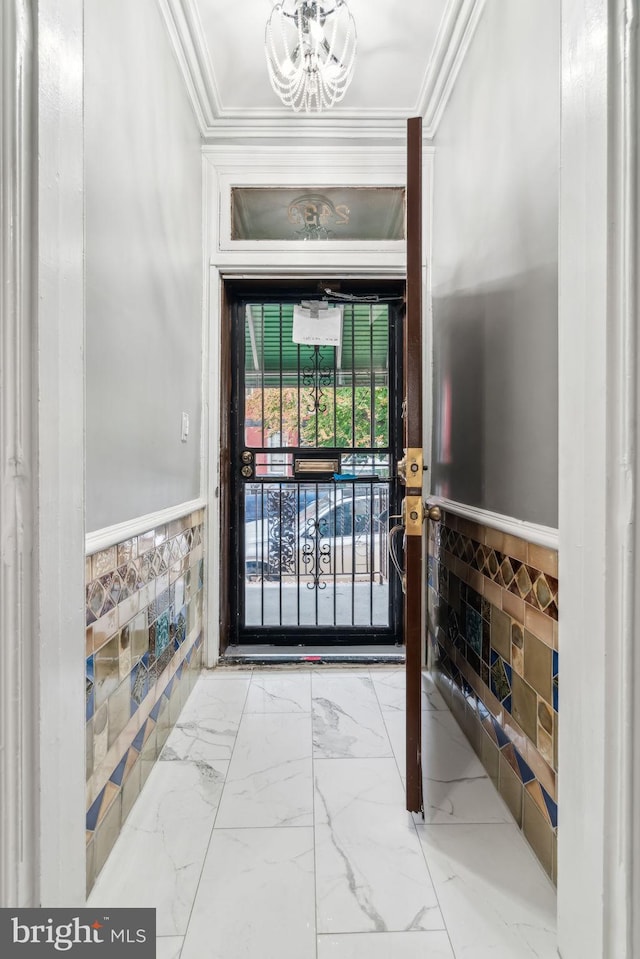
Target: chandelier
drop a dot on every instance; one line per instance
(310, 47)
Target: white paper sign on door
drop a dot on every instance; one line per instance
(321, 327)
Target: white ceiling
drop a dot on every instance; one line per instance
(408, 55)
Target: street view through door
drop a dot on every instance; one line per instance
(315, 442)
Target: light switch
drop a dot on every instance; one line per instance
(185, 427)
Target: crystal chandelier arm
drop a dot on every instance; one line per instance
(310, 52)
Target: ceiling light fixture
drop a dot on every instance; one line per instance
(311, 48)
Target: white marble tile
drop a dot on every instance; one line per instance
(463, 801)
(431, 696)
(270, 779)
(279, 692)
(390, 689)
(496, 900)
(347, 721)
(228, 696)
(256, 897)
(208, 724)
(446, 747)
(386, 945)
(396, 726)
(370, 872)
(456, 786)
(168, 947)
(227, 672)
(158, 856)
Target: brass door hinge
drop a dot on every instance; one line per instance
(413, 515)
(410, 467)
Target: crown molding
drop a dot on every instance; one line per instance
(218, 123)
(276, 156)
(251, 125)
(189, 45)
(457, 29)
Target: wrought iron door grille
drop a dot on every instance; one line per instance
(316, 441)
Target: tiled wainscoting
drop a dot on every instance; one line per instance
(493, 625)
(143, 655)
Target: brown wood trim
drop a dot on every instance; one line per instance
(224, 491)
(413, 334)
(413, 645)
(413, 439)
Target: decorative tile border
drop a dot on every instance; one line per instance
(143, 654)
(536, 587)
(496, 656)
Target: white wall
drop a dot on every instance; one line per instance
(143, 267)
(495, 266)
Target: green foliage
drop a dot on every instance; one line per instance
(344, 418)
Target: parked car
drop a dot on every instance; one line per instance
(344, 531)
(264, 500)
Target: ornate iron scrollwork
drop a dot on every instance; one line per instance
(281, 532)
(316, 555)
(314, 377)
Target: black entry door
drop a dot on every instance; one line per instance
(313, 459)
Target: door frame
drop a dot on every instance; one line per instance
(320, 162)
(234, 289)
(42, 485)
(599, 482)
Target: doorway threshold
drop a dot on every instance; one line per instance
(260, 654)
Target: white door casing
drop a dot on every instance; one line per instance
(599, 746)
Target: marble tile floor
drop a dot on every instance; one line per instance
(273, 826)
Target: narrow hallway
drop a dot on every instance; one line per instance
(274, 826)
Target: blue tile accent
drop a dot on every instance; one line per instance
(525, 771)
(507, 704)
(555, 697)
(118, 773)
(507, 669)
(139, 740)
(555, 662)
(494, 657)
(139, 679)
(503, 739)
(167, 691)
(552, 807)
(155, 712)
(94, 811)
